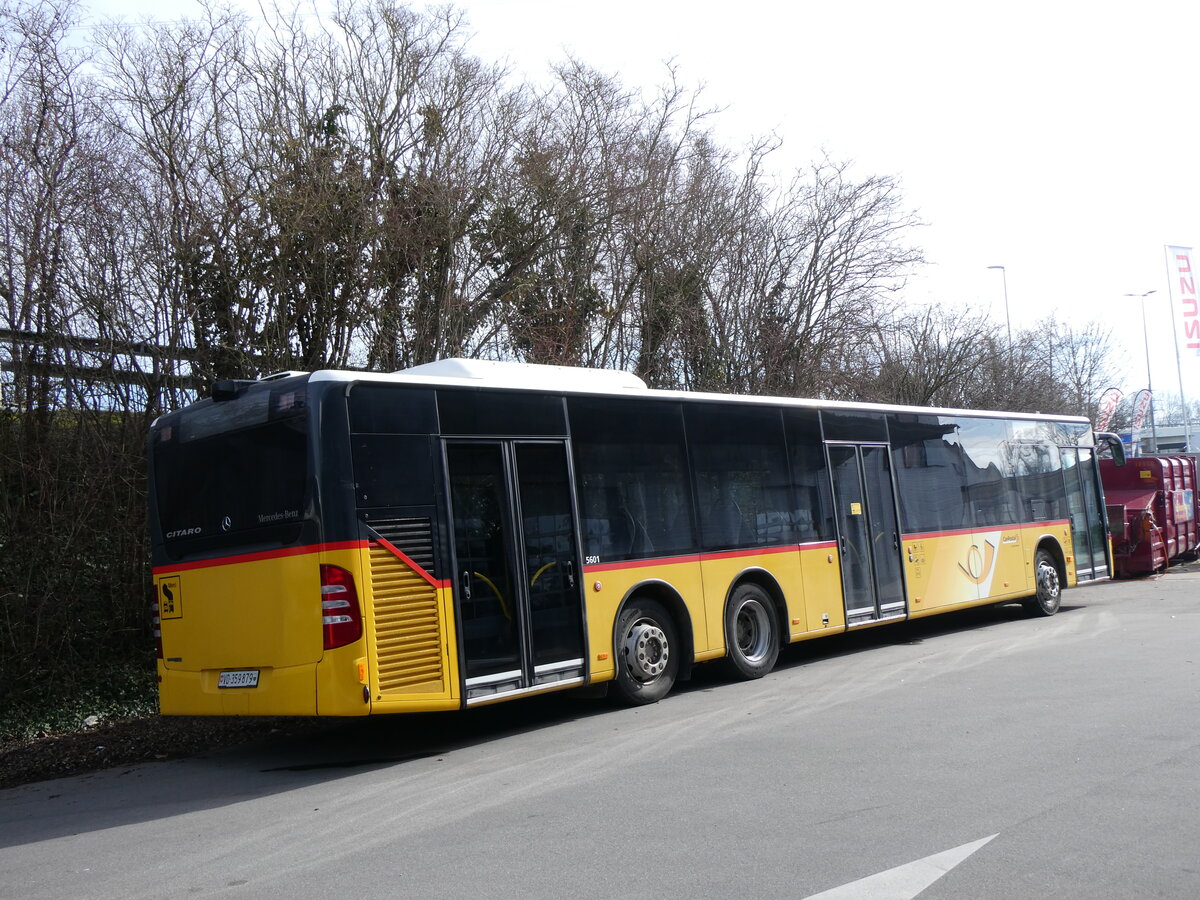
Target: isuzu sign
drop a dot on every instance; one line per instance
(1182, 276)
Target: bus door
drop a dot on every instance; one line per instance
(518, 585)
(1089, 532)
(868, 532)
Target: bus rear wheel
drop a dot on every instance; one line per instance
(647, 651)
(751, 632)
(1049, 587)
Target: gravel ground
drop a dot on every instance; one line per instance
(129, 741)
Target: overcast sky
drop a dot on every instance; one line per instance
(1056, 138)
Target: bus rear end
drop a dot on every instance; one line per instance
(258, 614)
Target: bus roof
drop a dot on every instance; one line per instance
(531, 375)
(478, 373)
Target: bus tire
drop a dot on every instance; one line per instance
(751, 632)
(1049, 587)
(647, 651)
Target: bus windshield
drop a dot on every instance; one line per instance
(242, 483)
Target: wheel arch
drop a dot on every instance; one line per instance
(1050, 544)
(770, 584)
(672, 600)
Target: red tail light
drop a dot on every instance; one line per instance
(340, 615)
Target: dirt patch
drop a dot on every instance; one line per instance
(128, 741)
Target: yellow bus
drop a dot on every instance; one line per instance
(465, 532)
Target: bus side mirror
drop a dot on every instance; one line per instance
(1114, 445)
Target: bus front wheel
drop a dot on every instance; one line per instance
(1049, 587)
(647, 650)
(751, 632)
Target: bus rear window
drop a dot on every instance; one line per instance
(231, 487)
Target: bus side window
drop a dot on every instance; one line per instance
(631, 465)
(813, 513)
(739, 463)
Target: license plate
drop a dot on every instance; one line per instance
(238, 678)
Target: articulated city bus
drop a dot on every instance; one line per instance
(464, 532)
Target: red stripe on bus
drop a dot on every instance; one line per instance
(758, 551)
(919, 536)
(306, 550)
(704, 557)
(407, 560)
(922, 535)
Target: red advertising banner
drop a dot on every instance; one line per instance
(1109, 401)
(1141, 405)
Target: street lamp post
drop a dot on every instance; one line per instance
(1149, 385)
(1007, 317)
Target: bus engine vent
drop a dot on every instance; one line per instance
(412, 537)
(408, 628)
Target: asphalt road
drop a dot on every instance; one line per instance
(982, 754)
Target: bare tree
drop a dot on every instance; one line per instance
(77, 399)
(1084, 360)
(804, 275)
(171, 90)
(921, 357)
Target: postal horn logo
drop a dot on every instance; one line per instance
(979, 562)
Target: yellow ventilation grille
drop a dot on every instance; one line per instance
(408, 647)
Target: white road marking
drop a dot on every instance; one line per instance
(903, 882)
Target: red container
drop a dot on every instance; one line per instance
(1152, 511)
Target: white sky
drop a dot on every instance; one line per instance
(1056, 138)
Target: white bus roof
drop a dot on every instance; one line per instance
(571, 379)
(530, 375)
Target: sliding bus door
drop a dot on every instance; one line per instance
(1089, 533)
(517, 584)
(868, 532)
